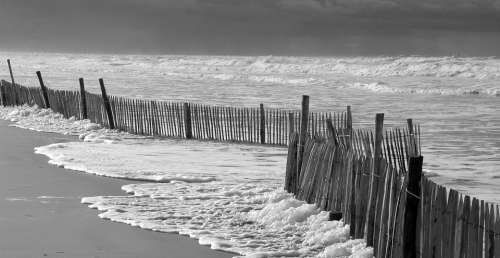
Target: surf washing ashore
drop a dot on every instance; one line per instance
(231, 197)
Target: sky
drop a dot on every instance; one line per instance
(253, 27)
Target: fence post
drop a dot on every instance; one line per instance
(83, 100)
(411, 210)
(291, 123)
(2, 93)
(107, 105)
(303, 132)
(44, 90)
(412, 146)
(187, 121)
(262, 124)
(375, 178)
(16, 102)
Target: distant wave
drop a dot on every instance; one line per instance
(472, 67)
(478, 68)
(381, 87)
(461, 67)
(285, 80)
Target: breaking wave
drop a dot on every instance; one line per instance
(381, 87)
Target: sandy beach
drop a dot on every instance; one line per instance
(41, 214)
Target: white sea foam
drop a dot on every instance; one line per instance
(167, 160)
(45, 120)
(37, 119)
(249, 219)
(17, 199)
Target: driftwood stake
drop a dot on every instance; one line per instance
(107, 105)
(187, 121)
(411, 210)
(83, 100)
(44, 90)
(262, 124)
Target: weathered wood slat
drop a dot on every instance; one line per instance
(495, 230)
(481, 226)
(490, 231)
(375, 180)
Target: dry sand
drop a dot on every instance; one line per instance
(35, 226)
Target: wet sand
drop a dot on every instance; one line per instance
(41, 214)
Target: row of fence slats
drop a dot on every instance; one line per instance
(143, 117)
(24, 95)
(160, 118)
(457, 225)
(9, 92)
(95, 109)
(64, 102)
(338, 179)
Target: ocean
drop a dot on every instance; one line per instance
(229, 196)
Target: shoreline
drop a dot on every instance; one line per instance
(42, 214)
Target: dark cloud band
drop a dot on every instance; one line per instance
(287, 27)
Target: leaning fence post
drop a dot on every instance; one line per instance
(83, 100)
(16, 102)
(411, 209)
(303, 132)
(375, 178)
(262, 124)
(44, 90)
(187, 121)
(107, 105)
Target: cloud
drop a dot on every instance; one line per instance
(252, 26)
(466, 7)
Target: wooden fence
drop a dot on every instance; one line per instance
(457, 225)
(373, 180)
(174, 119)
